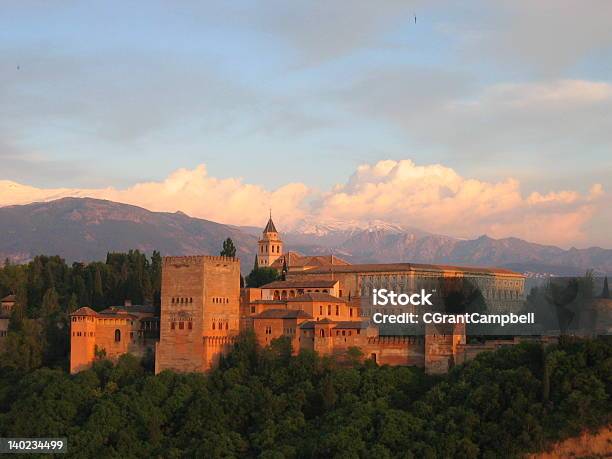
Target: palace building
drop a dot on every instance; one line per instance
(319, 305)
(110, 333)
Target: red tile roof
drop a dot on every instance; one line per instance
(314, 296)
(283, 314)
(314, 283)
(390, 267)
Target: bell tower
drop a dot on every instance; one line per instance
(270, 247)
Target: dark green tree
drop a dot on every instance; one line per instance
(261, 276)
(229, 250)
(605, 293)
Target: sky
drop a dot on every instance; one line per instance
(479, 118)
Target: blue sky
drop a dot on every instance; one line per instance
(111, 94)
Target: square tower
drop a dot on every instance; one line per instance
(270, 246)
(200, 311)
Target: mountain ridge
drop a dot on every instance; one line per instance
(84, 229)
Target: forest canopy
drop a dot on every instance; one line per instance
(263, 402)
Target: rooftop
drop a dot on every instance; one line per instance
(8, 299)
(314, 283)
(283, 314)
(314, 296)
(340, 325)
(85, 311)
(296, 259)
(386, 267)
(270, 228)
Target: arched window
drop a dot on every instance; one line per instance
(284, 295)
(117, 335)
(276, 295)
(213, 325)
(321, 310)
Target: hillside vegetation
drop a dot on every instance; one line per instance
(266, 403)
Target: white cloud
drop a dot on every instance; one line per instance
(432, 197)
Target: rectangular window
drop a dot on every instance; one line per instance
(172, 325)
(190, 325)
(181, 325)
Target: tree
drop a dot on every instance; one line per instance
(23, 349)
(50, 306)
(98, 294)
(261, 276)
(229, 250)
(605, 293)
(73, 304)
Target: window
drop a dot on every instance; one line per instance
(117, 335)
(226, 325)
(213, 325)
(252, 309)
(351, 312)
(337, 310)
(321, 310)
(172, 325)
(322, 333)
(189, 325)
(329, 309)
(181, 325)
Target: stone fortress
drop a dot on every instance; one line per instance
(318, 305)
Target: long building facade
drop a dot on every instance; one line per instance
(319, 305)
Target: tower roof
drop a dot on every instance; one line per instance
(270, 228)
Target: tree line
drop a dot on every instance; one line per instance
(264, 402)
(47, 290)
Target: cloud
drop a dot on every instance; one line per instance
(534, 123)
(547, 36)
(191, 191)
(436, 198)
(320, 31)
(432, 197)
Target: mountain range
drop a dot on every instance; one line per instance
(83, 229)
